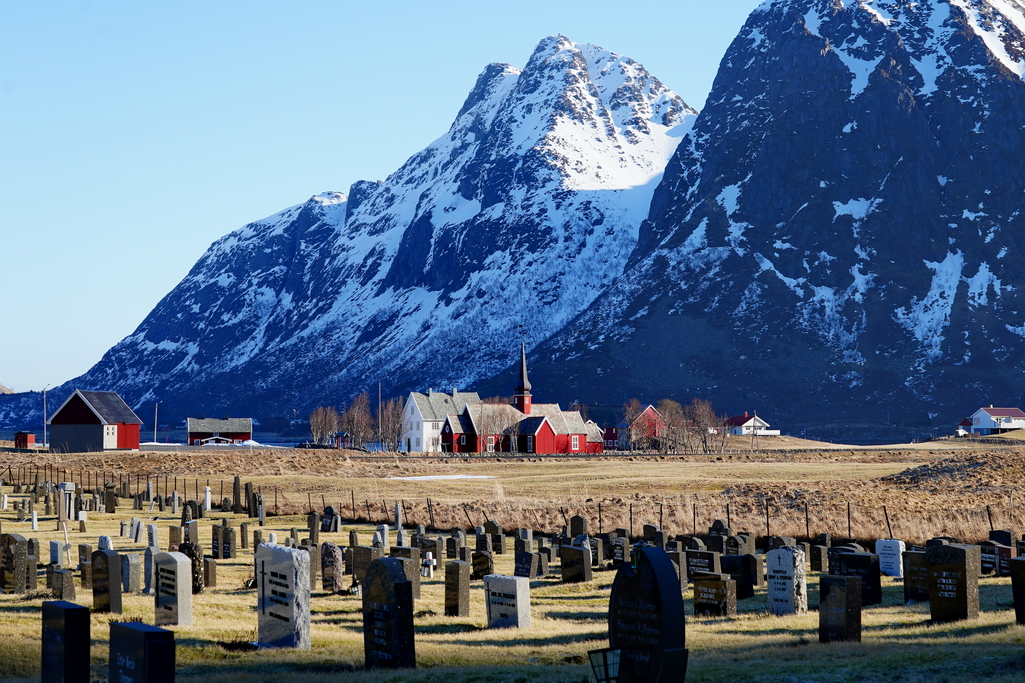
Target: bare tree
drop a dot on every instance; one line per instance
(390, 421)
(323, 424)
(358, 421)
(674, 437)
(707, 429)
(491, 420)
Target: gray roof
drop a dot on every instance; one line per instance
(594, 432)
(109, 407)
(437, 405)
(562, 421)
(228, 425)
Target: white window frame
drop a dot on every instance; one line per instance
(530, 443)
(462, 439)
(491, 444)
(576, 442)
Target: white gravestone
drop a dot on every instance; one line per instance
(788, 588)
(891, 554)
(283, 596)
(3, 502)
(35, 521)
(206, 498)
(105, 543)
(173, 598)
(508, 601)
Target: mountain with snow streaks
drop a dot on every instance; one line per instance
(511, 223)
(841, 232)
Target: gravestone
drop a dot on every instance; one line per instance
(236, 496)
(995, 558)
(195, 555)
(646, 619)
(916, 577)
(680, 565)
(1002, 536)
(85, 564)
(332, 568)
(819, 560)
(702, 561)
(174, 537)
(840, 603)
(953, 581)
(173, 594)
(576, 564)
(527, 565)
(65, 642)
(140, 653)
(63, 584)
(388, 640)
(891, 558)
(865, 566)
(243, 535)
(152, 536)
(577, 526)
(215, 540)
(507, 601)
(1017, 569)
(619, 551)
(483, 563)
(14, 566)
(412, 567)
(283, 594)
(131, 573)
(715, 595)
(788, 592)
(209, 572)
(746, 570)
(362, 557)
(457, 589)
(106, 582)
(149, 570)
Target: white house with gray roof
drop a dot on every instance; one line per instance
(426, 412)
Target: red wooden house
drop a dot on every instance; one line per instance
(523, 427)
(94, 421)
(643, 431)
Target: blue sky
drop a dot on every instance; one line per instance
(135, 134)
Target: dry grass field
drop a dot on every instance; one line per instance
(927, 491)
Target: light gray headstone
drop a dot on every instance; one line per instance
(152, 536)
(35, 521)
(173, 595)
(206, 498)
(283, 596)
(131, 573)
(891, 554)
(788, 588)
(56, 556)
(105, 543)
(272, 538)
(398, 517)
(507, 599)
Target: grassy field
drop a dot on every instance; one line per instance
(898, 643)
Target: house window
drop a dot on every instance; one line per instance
(462, 439)
(491, 444)
(418, 442)
(530, 443)
(576, 442)
(977, 421)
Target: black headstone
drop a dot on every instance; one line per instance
(916, 577)
(388, 616)
(65, 643)
(646, 619)
(953, 581)
(715, 595)
(1017, 567)
(840, 603)
(576, 564)
(865, 566)
(141, 653)
(457, 589)
(746, 570)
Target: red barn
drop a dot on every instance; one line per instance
(523, 427)
(94, 421)
(210, 430)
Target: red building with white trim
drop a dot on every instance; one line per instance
(94, 421)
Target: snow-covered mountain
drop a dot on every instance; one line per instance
(841, 234)
(520, 215)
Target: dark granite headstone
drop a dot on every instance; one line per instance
(106, 581)
(715, 595)
(457, 589)
(140, 653)
(995, 558)
(14, 564)
(527, 565)
(63, 584)
(1017, 569)
(332, 568)
(577, 526)
(483, 563)
(65, 642)
(702, 561)
(819, 558)
(576, 564)
(840, 603)
(745, 570)
(953, 581)
(1002, 536)
(362, 557)
(388, 616)
(864, 565)
(916, 577)
(412, 567)
(195, 555)
(646, 619)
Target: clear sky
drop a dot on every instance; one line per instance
(134, 134)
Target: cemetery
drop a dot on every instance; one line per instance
(151, 575)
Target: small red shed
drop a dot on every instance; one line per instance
(25, 440)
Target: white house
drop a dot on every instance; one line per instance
(995, 420)
(750, 425)
(425, 414)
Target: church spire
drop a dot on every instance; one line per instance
(521, 398)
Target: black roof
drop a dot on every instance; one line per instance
(110, 407)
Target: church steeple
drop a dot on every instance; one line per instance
(521, 395)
